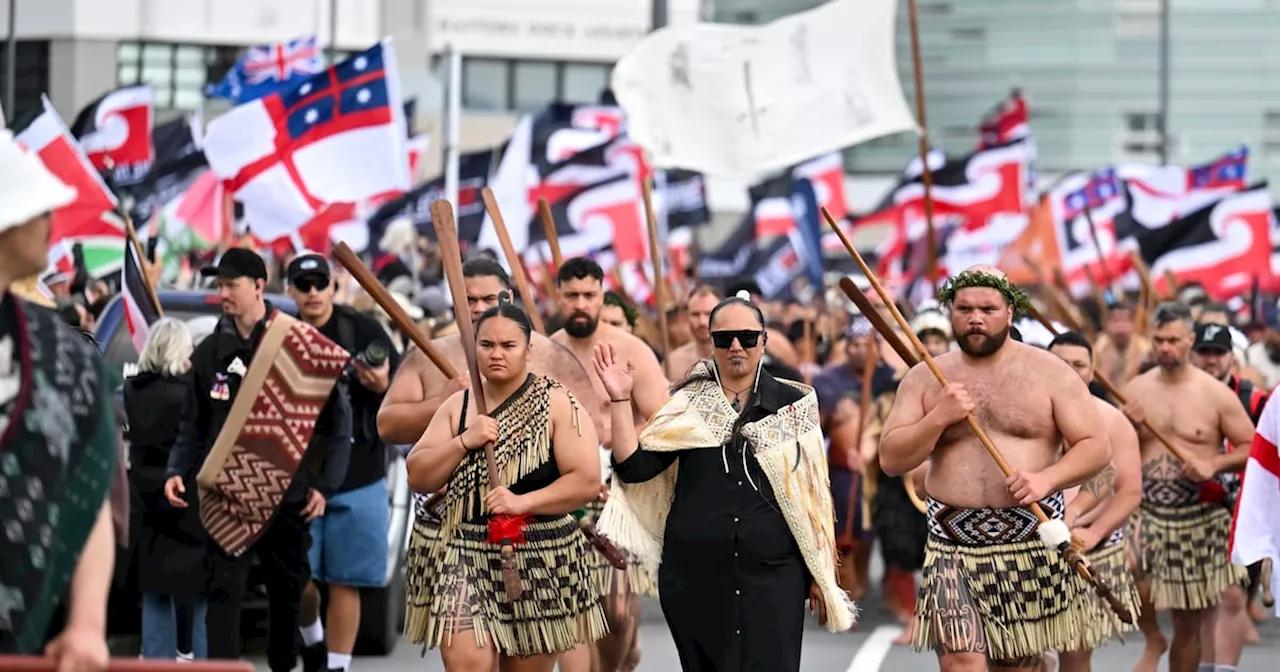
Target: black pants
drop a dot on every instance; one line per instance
(282, 552)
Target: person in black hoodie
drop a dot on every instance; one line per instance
(218, 365)
(171, 541)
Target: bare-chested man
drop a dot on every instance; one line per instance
(1098, 511)
(1182, 541)
(993, 592)
(580, 285)
(419, 389)
(701, 302)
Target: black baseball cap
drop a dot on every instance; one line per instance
(237, 262)
(1213, 337)
(307, 264)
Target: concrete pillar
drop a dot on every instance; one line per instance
(79, 71)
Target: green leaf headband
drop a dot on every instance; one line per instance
(966, 279)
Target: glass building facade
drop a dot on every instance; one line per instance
(1090, 72)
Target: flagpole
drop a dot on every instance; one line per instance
(926, 174)
(1164, 82)
(11, 60)
(333, 32)
(452, 123)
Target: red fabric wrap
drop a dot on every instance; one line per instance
(509, 529)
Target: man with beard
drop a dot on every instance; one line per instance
(1182, 540)
(1227, 628)
(999, 593)
(417, 392)
(1119, 352)
(1098, 511)
(580, 287)
(701, 302)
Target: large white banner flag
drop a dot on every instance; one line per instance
(742, 100)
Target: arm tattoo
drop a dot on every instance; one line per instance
(1102, 484)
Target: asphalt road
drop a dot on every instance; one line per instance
(868, 649)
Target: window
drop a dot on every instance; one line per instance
(535, 84)
(484, 85)
(177, 73)
(1141, 136)
(1271, 135)
(505, 85)
(31, 75)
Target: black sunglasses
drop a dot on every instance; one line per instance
(305, 284)
(724, 339)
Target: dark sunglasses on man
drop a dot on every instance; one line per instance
(746, 338)
(306, 283)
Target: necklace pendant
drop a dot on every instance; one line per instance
(737, 405)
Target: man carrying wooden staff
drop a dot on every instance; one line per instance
(995, 591)
(1182, 540)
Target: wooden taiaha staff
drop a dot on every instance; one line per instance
(864, 409)
(1144, 291)
(553, 242)
(655, 257)
(513, 260)
(868, 309)
(1097, 248)
(1073, 557)
(553, 237)
(1111, 389)
(451, 258)
(365, 278)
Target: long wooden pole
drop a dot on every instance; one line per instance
(365, 278)
(513, 260)
(926, 174)
(659, 295)
(553, 237)
(1069, 554)
(1111, 389)
(451, 258)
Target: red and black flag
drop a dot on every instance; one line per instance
(140, 307)
(115, 133)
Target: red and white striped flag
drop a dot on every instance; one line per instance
(1255, 531)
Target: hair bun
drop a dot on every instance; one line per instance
(504, 297)
(743, 294)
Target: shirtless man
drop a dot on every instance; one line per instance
(580, 287)
(982, 607)
(1098, 513)
(419, 389)
(1182, 542)
(701, 302)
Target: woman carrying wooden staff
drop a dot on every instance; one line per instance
(546, 449)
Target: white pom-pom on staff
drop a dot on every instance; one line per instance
(1054, 533)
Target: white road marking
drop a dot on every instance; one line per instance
(875, 649)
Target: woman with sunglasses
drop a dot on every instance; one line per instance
(725, 493)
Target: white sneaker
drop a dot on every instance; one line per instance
(186, 657)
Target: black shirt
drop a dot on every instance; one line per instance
(355, 331)
(323, 466)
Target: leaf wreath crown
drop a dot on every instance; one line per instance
(966, 279)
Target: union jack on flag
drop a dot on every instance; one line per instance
(265, 69)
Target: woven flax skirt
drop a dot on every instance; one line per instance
(991, 587)
(1183, 551)
(558, 609)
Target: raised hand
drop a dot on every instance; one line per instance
(616, 374)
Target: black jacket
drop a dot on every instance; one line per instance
(171, 542)
(324, 465)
